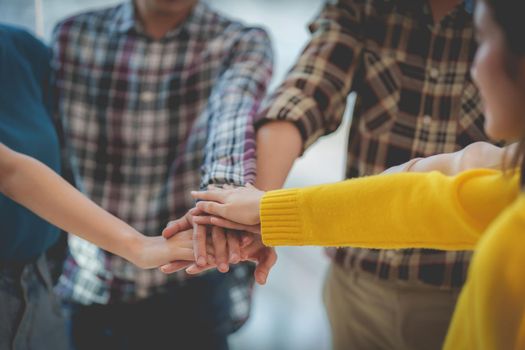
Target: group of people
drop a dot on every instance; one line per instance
(152, 105)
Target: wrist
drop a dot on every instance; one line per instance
(134, 246)
(257, 219)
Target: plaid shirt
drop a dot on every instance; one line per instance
(148, 120)
(415, 98)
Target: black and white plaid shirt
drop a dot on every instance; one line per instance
(147, 121)
(415, 98)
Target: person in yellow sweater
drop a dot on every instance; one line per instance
(480, 209)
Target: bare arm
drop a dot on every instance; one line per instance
(476, 155)
(279, 144)
(35, 186)
(311, 100)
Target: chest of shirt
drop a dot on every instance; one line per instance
(135, 88)
(412, 53)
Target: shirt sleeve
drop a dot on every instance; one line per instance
(313, 95)
(229, 156)
(408, 210)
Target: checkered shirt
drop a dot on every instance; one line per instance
(147, 121)
(415, 98)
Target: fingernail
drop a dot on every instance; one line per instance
(261, 278)
(234, 258)
(223, 267)
(201, 261)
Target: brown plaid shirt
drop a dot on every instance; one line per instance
(415, 98)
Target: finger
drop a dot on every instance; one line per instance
(202, 220)
(218, 221)
(212, 208)
(183, 254)
(251, 249)
(247, 239)
(199, 244)
(228, 187)
(195, 270)
(234, 248)
(175, 266)
(266, 262)
(221, 222)
(195, 211)
(221, 248)
(210, 250)
(214, 196)
(175, 226)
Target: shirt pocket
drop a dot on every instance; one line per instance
(377, 105)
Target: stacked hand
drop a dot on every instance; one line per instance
(225, 231)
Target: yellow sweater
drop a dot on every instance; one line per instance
(478, 209)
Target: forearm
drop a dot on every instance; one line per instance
(279, 144)
(314, 93)
(395, 211)
(477, 155)
(229, 156)
(38, 188)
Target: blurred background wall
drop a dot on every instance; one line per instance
(288, 311)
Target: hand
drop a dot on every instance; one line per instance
(252, 249)
(199, 234)
(240, 205)
(225, 248)
(152, 252)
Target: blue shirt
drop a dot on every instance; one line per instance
(26, 127)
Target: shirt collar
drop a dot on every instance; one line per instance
(125, 17)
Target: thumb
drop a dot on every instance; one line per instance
(175, 227)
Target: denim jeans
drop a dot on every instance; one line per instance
(194, 315)
(30, 314)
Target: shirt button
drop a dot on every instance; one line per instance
(147, 96)
(434, 73)
(427, 120)
(144, 148)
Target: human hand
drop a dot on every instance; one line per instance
(239, 205)
(252, 249)
(152, 252)
(227, 224)
(225, 242)
(225, 247)
(199, 234)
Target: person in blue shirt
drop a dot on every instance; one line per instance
(30, 314)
